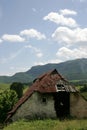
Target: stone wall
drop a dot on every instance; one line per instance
(37, 106)
(78, 106)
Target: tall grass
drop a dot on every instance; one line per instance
(48, 125)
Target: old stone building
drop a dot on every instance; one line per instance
(50, 96)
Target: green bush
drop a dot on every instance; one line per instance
(84, 88)
(7, 101)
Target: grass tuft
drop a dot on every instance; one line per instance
(48, 125)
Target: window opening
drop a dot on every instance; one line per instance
(60, 86)
(44, 100)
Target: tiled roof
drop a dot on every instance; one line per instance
(43, 84)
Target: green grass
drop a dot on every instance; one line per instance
(48, 125)
(4, 87)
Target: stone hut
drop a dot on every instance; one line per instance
(50, 96)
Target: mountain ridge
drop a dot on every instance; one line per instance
(72, 70)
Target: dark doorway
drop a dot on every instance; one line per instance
(62, 104)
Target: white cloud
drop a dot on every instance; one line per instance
(68, 12)
(32, 47)
(12, 38)
(19, 69)
(49, 61)
(60, 19)
(39, 54)
(1, 40)
(37, 51)
(39, 63)
(55, 61)
(32, 33)
(70, 36)
(68, 54)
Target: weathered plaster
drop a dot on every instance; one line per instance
(34, 107)
(78, 106)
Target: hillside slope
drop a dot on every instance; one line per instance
(72, 70)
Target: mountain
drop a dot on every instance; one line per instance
(71, 70)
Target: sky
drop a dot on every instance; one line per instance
(37, 32)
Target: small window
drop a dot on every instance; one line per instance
(44, 100)
(59, 86)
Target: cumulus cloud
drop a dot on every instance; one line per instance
(48, 61)
(70, 36)
(12, 38)
(67, 54)
(61, 19)
(68, 12)
(32, 33)
(37, 51)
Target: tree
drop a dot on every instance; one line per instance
(84, 88)
(7, 101)
(18, 87)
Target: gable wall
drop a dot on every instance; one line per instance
(35, 108)
(78, 106)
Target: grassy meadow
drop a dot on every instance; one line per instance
(4, 86)
(48, 125)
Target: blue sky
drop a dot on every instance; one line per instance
(37, 32)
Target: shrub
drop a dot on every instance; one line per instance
(7, 101)
(84, 88)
